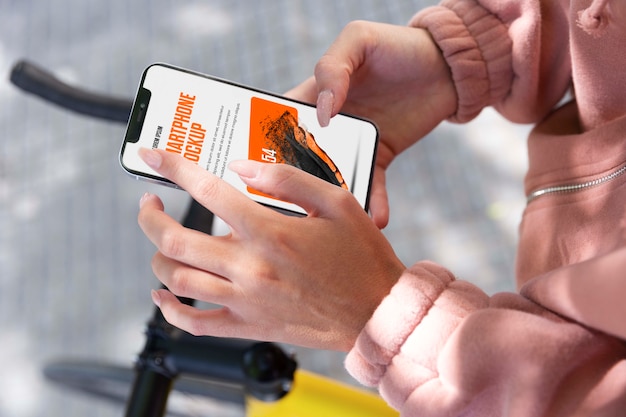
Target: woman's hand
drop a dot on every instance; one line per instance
(392, 75)
(312, 281)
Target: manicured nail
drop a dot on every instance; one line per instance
(244, 168)
(156, 298)
(325, 103)
(143, 199)
(150, 157)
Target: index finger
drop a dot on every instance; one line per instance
(216, 195)
(334, 70)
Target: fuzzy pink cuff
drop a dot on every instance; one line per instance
(476, 46)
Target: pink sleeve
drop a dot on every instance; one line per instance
(513, 55)
(437, 346)
(425, 289)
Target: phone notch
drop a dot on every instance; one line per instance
(138, 115)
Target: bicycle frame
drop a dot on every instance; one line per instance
(266, 375)
(316, 396)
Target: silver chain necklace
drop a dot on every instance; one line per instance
(570, 188)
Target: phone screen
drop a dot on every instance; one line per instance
(211, 122)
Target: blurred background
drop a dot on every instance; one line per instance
(75, 278)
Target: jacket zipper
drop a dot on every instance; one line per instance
(571, 188)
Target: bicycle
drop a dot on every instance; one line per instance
(258, 377)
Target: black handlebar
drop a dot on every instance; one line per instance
(40, 82)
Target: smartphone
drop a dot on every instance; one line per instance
(212, 121)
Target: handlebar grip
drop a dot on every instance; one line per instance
(36, 80)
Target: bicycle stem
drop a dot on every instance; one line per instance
(262, 369)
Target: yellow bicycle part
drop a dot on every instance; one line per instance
(315, 396)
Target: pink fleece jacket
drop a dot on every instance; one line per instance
(437, 346)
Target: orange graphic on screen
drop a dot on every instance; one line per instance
(277, 137)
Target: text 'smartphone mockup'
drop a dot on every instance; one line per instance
(211, 122)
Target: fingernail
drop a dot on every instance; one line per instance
(150, 157)
(156, 298)
(143, 199)
(244, 168)
(325, 103)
